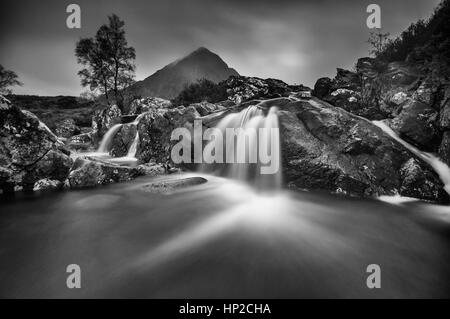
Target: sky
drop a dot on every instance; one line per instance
(293, 40)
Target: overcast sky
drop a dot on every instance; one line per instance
(295, 41)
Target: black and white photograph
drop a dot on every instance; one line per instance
(201, 150)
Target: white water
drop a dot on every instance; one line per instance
(106, 142)
(250, 118)
(440, 167)
(133, 148)
(107, 138)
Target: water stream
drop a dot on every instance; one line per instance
(439, 167)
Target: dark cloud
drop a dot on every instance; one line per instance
(296, 41)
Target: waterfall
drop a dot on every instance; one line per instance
(247, 156)
(439, 167)
(107, 138)
(133, 147)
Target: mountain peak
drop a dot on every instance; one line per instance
(169, 81)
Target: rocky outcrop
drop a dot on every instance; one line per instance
(67, 128)
(444, 148)
(104, 119)
(326, 148)
(123, 139)
(414, 95)
(29, 151)
(241, 88)
(205, 108)
(147, 104)
(416, 124)
(155, 129)
(89, 172)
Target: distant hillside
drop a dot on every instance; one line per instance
(54, 109)
(171, 80)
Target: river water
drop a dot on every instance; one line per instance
(220, 239)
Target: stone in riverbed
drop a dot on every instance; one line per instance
(47, 184)
(418, 182)
(168, 186)
(89, 172)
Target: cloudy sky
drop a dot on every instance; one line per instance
(296, 41)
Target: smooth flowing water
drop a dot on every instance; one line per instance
(106, 141)
(439, 167)
(254, 148)
(220, 239)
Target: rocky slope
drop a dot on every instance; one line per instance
(412, 97)
(168, 82)
(31, 156)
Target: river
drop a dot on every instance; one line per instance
(221, 239)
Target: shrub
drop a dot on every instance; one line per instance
(203, 90)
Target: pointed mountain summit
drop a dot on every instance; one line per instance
(169, 81)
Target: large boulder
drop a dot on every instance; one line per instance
(29, 151)
(104, 119)
(323, 87)
(416, 124)
(123, 140)
(89, 172)
(155, 129)
(326, 148)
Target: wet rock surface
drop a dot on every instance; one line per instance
(169, 186)
(91, 172)
(326, 148)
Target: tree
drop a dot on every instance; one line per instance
(378, 42)
(108, 61)
(7, 78)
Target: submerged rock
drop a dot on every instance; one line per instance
(90, 172)
(29, 151)
(169, 186)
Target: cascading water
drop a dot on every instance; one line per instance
(251, 141)
(105, 144)
(440, 168)
(107, 138)
(133, 148)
